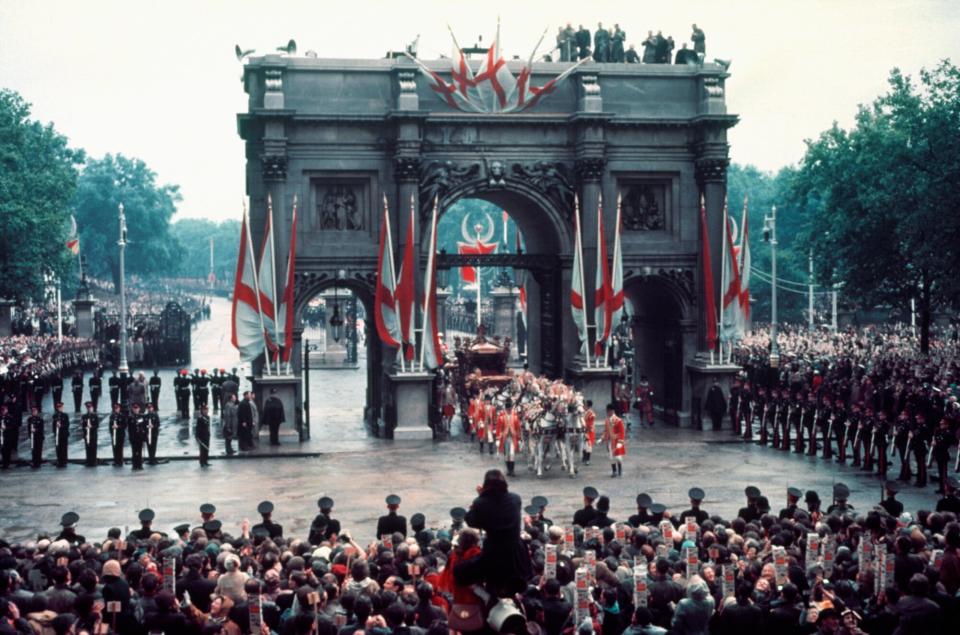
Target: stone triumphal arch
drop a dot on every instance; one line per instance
(341, 135)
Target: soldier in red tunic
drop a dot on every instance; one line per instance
(508, 431)
(614, 436)
(589, 431)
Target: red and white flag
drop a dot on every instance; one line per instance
(710, 306)
(730, 320)
(602, 293)
(267, 279)
(285, 313)
(431, 353)
(494, 80)
(577, 287)
(406, 292)
(247, 331)
(744, 265)
(616, 299)
(385, 307)
(73, 239)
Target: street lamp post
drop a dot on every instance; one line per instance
(124, 369)
(770, 236)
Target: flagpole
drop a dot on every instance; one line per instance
(290, 265)
(273, 272)
(616, 244)
(479, 300)
(723, 277)
(256, 288)
(59, 314)
(582, 289)
(393, 274)
(430, 282)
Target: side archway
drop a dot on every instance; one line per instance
(664, 334)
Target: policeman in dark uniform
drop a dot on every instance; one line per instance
(881, 440)
(118, 432)
(154, 383)
(137, 429)
(942, 441)
(751, 512)
(125, 381)
(202, 434)
(89, 423)
(183, 394)
(585, 517)
(793, 498)
(69, 532)
(323, 527)
(890, 503)
(951, 500)
(56, 385)
(274, 530)
(457, 516)
(207, 511)
(182, 531)
(113, 383)
(921, 436)
(95, 384)
(7, 423)
(657, 510)
(60, 423)
(152, 420)
(213, 529)
(642, 516)
(696, 497)
(203, 388)
(392, 522)
(216, 384)
(539, 505)
(146, 517)
(35, 428)
(76, 386)
(841, 494)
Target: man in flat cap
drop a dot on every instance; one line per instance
(890, 502)
(89, 423)
(696, 497)
(265, 509)
(392, 522)
(585, 517)
(793, 498)
(69, 532)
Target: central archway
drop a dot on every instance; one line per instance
(546, 231)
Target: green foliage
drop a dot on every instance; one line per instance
(764, 191)
(193, 237)
(38, 176)
(885, 195)
(103, 185)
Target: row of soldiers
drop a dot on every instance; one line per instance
(817, 421)
(199, 387)
(609, 46)
(139, 426)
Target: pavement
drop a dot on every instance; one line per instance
(358, 471)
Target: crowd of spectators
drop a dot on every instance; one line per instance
(801, 569)
(608, 45)
(28, 362)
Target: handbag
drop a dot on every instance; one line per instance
(465, 617)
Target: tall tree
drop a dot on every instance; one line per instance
(193, 236)
(886, 196)
(38, 176)
(102, 186)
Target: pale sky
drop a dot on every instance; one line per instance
(159, 80)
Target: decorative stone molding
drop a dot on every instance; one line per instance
(273, 167)
(590, 169)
